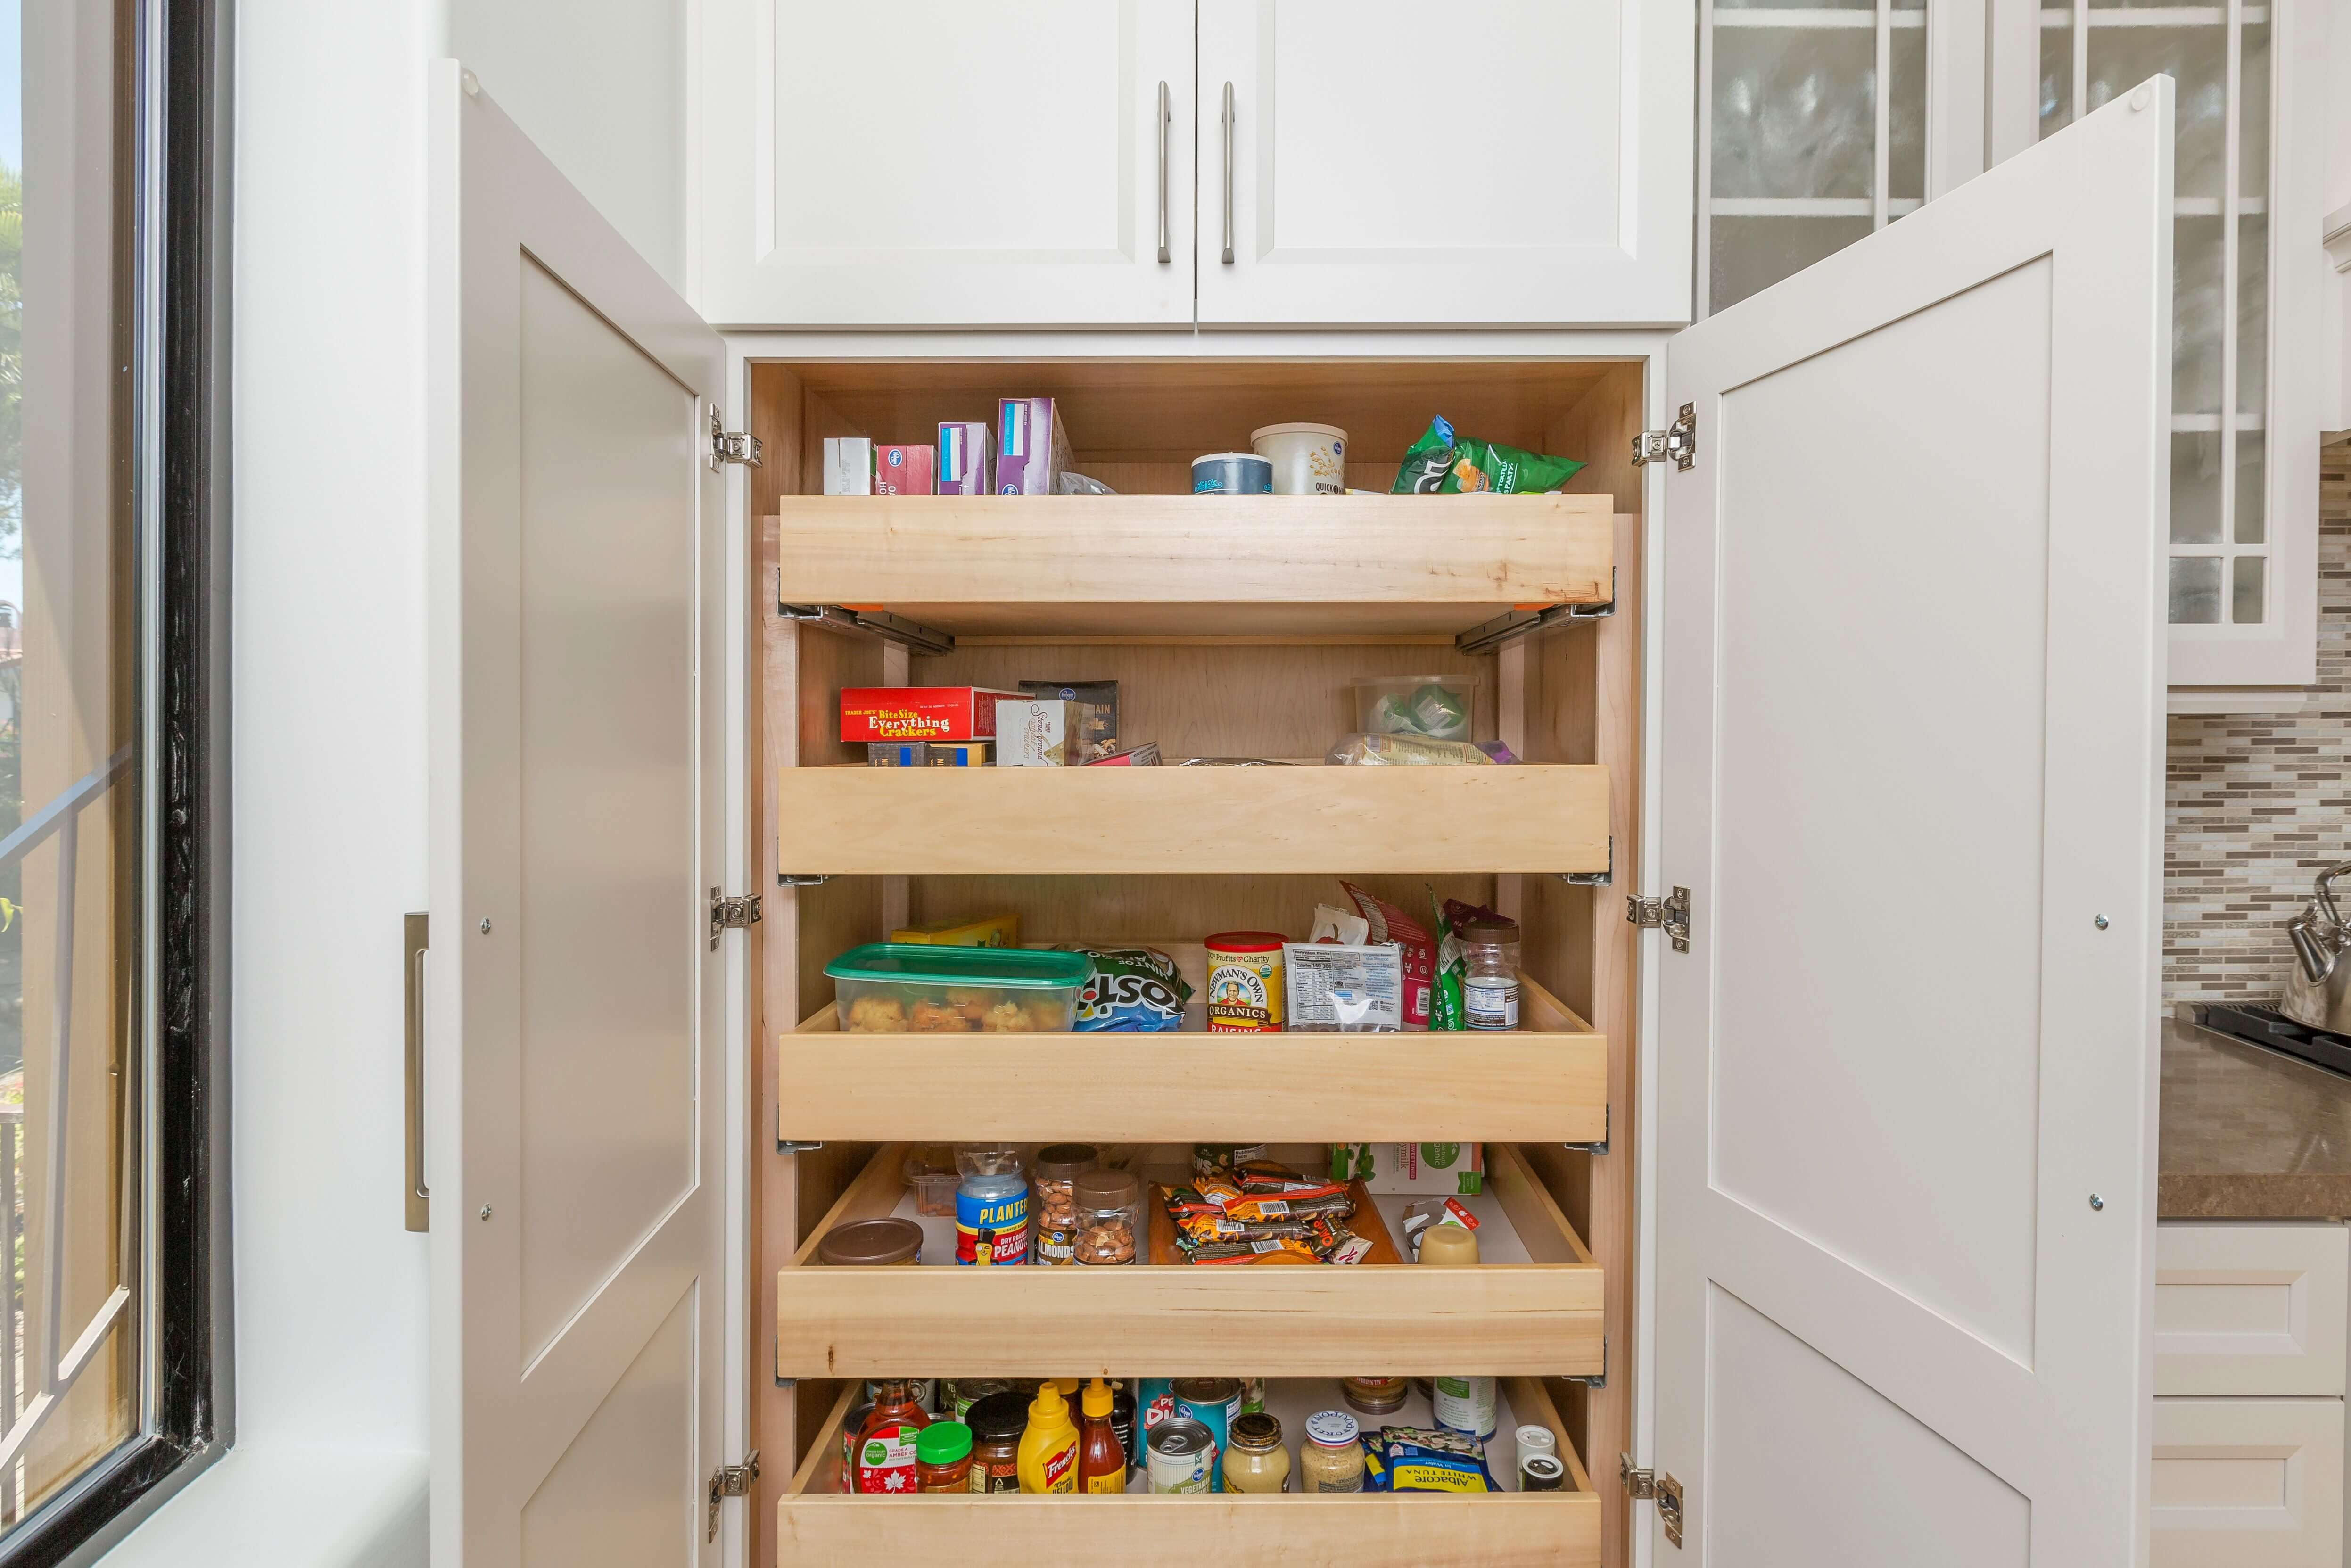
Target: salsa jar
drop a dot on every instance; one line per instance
(1052, 1200)
(996, 1422)
(943, 1458)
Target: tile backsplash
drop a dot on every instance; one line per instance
(2257, 805)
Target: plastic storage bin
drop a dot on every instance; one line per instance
(888, 987)
(1438, 706)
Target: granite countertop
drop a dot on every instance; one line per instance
(2249, 1134)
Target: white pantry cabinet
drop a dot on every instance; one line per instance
(922, 163)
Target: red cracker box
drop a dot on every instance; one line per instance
(905, 470)
(921, 713)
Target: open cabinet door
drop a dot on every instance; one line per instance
(575, 1012)
(1912, 781)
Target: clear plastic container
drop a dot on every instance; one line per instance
(1490, 989)
(889, 987)
(1111, 1228)
(1438, 706)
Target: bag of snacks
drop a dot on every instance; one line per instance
(1133, 990)
(1414, 947)
(1444, 463)
(1445, 1010)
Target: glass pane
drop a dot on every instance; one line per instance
(2254, 118)
(2197, 58)
(1906, 110)
(2253, 315)
(1752, 254)
(2196, 305)
(2196, 487)
(2245, 590)
(1794, 111)
(69, 912)
(2195, 590)
(2251, 471)
(2056, 72)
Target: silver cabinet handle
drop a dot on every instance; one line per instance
(1228, 173)
(418, 937)
(1166, 116)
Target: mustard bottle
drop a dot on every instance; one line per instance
(1047, 1460)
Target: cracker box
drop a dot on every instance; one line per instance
(1032, 448)
(898, 754)
(848, 465)
(905, 470)
(964, 451)
(1098, 728)
(960, 753)
(920, 713)
(1456, 1168)
(1039, 734)
(987, 931)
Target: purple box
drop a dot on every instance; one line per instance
(1032, 449)
(964, 451)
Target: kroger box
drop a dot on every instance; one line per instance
(904, 471)
(1032, 449)
(964, 451)
(920, 713)
(1457, 1169)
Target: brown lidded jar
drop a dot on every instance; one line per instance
(1110, 1218)
(1052, 1199)
(996, 1423)
(871, 1241)
(1373, 1396)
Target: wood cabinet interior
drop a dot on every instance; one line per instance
(1568, 695)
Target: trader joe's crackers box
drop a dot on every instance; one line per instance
(1457, 1169)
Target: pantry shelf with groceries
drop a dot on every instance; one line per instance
(1187, 864)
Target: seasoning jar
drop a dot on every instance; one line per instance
(1536, 1438)
(943, 1458)
(996, 1423)
(1373, 1396)
(1330, 1459)
(867, 1242)
(992, 1197)
(1255, 1460)
(1490, 989)
(1541, 1472)
(1109, 1216)
(1052, 1202)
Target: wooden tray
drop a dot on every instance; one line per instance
(1366, 1222)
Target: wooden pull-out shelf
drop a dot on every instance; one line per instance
(1547, 1082)
(1191, 565)
(1543, 1317)
(818, 1523)
(851, 820)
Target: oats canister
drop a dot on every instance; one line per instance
(1307, 459)
(1244, 983)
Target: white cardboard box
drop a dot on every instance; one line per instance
(1429, 1169)
(1038, 734)
(848, 465)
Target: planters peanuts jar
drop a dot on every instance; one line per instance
(992, 1199)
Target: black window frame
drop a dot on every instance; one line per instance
(185, 201)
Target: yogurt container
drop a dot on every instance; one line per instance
(1307, 459)
(1232, 473)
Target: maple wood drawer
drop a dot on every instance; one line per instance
(2249, 1307)
(2247, 1483)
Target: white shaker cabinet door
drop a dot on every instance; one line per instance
(928, 163)
(1487, 163)
(2247, 1483)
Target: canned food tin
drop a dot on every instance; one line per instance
(1182, 1457)
(1244, 995)
(1213, 1402)
(956, 1398)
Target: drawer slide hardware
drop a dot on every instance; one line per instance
(797, 1146)
(1679, 441)
(911, 635)
(1670, 914)
(731, 446)
(731, 1481)
(1593, 878)
(1513, 624)
(1591, 1379)
(1649, 1486)
(743, 909)
(801, 879)
(1607, 1124)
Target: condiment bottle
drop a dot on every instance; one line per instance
(1049, 1448)
(1101, 1462)
(885, 1457)
(943, 1457)
(1255, 1460)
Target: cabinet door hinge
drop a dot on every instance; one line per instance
(731, 1481)
(1679, 441)
(1651, 1486)
(742, 909)
(731, 446)
(1670, 914)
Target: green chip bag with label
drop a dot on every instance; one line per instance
(1444, 463)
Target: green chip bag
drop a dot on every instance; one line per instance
(1444, 463)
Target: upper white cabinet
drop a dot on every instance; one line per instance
(1489, 162)
(924, 162)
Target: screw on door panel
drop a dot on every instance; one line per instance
(2096, 1203)
(486, 1211)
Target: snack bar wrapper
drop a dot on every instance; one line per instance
(1442, 463)
(1340, 989)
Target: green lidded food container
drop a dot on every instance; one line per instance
(909, 987)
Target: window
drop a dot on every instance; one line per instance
(110, 972)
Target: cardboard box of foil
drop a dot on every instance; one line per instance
(1456, 1168)
(1032, 448)
(848, 465)
(964, 451)
(1049, 733)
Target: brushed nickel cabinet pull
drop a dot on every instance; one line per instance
(1166, 117)
(417, 938)
(1228, 173)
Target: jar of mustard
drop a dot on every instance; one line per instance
(1255, 1460)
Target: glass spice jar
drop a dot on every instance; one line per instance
(1052, 1203)
(1109, 1218)
(1330, 1459)
(1489, 987)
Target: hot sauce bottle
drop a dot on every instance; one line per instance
(886, 1452)
(1102, 1459)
